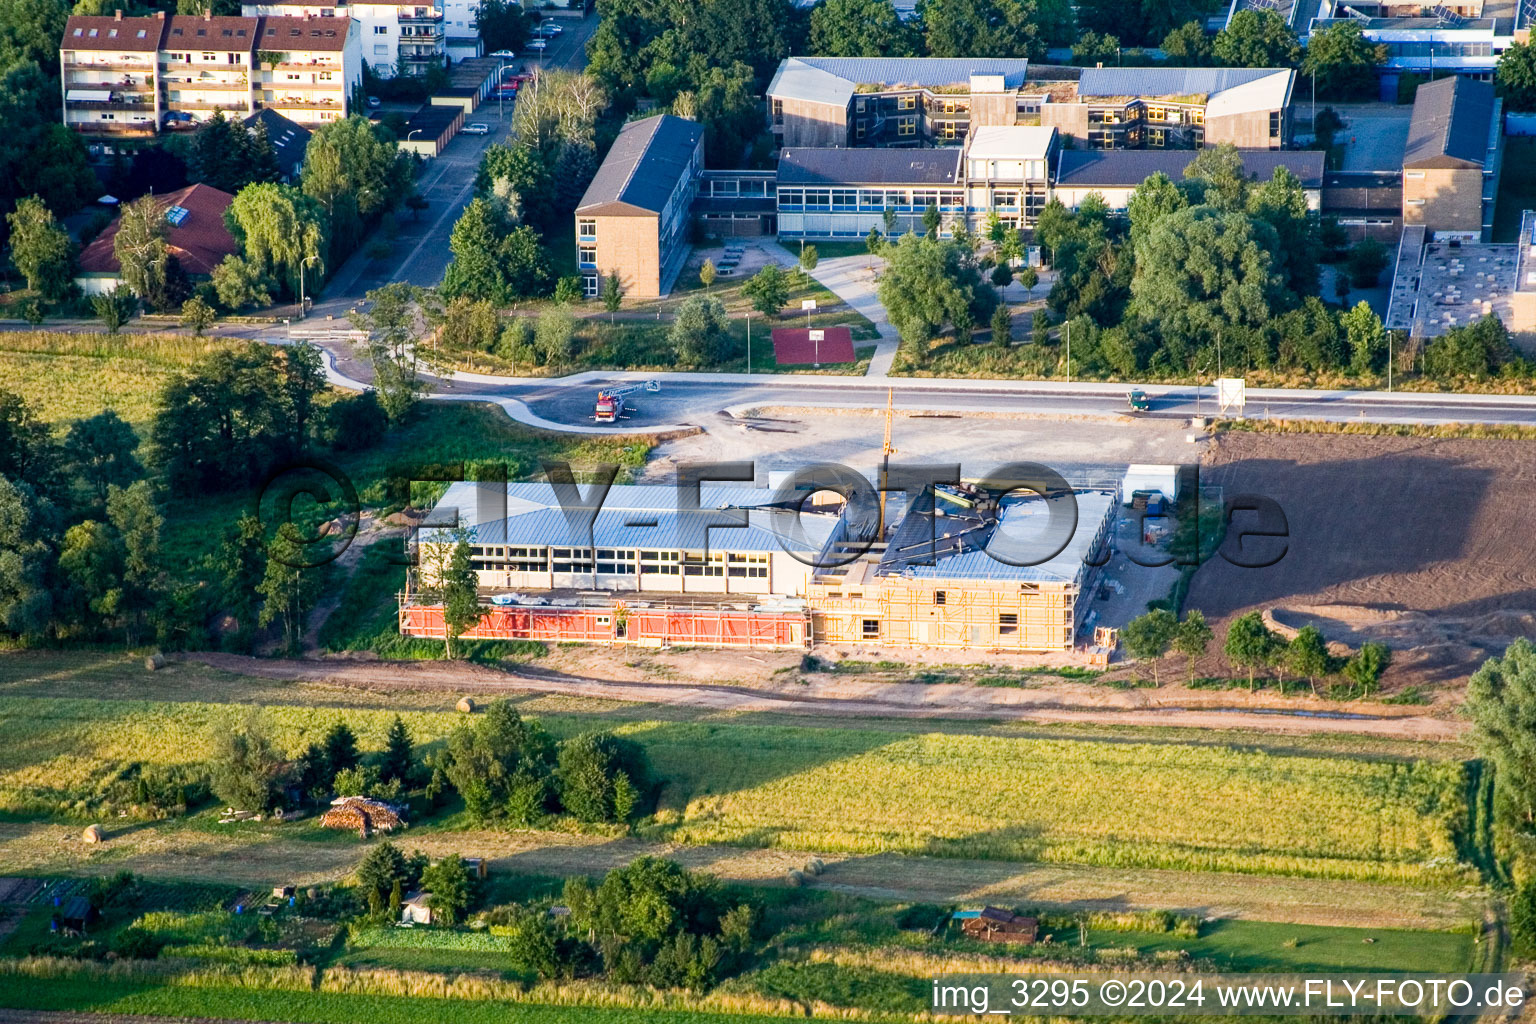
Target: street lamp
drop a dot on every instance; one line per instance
(501, 73)
(305, 260)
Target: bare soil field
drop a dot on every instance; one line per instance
(1423, 544)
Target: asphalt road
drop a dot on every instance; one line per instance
(689, 399)
(419, 252)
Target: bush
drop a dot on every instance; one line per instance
(601, 777)
(353, 423)
(1522, 919)
(136, 944)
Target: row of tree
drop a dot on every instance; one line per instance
(1252, 645)
(1210, 272)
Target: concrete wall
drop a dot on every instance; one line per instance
(1069, 119)
(1443, 199)
(1245, 131)
(993, 108)
(813, 125)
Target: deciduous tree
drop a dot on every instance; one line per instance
(1343, 61)
(861, 28)
(41, 249)
(1192, 638)
(1256, 39)
(1149, 636)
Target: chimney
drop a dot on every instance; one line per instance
(208, 14)
(117, 15)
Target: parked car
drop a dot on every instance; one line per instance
(538, 44)
(549, 30)
(373, 101)
(477, 129)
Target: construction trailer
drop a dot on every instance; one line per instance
(953, 578)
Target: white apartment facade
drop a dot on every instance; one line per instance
(395, 37)
(128, 77)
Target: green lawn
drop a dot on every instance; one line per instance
(65, 377)
(1261, 946)
(75, 993)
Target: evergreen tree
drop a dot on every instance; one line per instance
(399, 760)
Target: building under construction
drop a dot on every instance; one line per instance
(965, 569)
(958, 568)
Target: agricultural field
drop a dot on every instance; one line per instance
(65, 377)
(1421, 543)
(867, 792)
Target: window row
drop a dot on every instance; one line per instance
(870, 200)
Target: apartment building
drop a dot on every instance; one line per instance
(395, 38)
(206, 65)
(1453, 157)
(834, 102)
(1172, 108)
(311, 67)
(125, 77)
(109, 74)
(634, 219)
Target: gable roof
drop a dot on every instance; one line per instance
(117, 34)
(226, 34)
(199, 241)
(1250, 88)
(289, 138)
(1079, 168)
(833, 79)
(1450, 124)
(288, 34)
(869, 166)
(644, 165)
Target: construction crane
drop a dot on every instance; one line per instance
(886, 451)
(610, 401)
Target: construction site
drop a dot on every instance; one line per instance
(999, 568)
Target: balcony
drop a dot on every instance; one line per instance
(313, 65)
(300, 103)
(209, 84)
(126, 129)
(142, 67)
(224, 104)
(422, 16)
(143, 107)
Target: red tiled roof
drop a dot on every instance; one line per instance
(116, 34)
(223, 34)
(287, 34)
(200, 242)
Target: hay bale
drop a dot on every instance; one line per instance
(814, 867)
(795, 878)
(94, 834)
(155, 662)
(466, 705)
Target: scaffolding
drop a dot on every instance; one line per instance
(618, 624)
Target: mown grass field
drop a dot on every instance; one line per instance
(866, 791)
(65, 377)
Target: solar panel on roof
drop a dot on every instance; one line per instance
(176, 215)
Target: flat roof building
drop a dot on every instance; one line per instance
(1115, 174)
(634, 219)
(640, 539)
(964, 570)
(1173, 108)
(836, 102)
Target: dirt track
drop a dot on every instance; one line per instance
(846, 697)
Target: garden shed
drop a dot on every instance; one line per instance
(994, 924)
